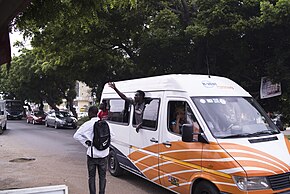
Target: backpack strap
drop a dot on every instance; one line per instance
(92, 151)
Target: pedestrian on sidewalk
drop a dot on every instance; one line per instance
(96, 159)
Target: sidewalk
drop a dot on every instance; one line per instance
(45, 169)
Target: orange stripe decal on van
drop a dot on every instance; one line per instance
(173, 160)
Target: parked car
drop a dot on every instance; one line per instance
(60, 119)
(36, 117)
(82, 114)
(14, 109)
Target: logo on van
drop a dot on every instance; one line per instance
(208, 84)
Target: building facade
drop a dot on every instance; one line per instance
(84, 97)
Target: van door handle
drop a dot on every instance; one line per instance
(154, 140)
(167, 143)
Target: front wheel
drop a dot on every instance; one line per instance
(205, 187)
(113, 164)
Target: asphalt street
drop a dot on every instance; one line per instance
(36, 156)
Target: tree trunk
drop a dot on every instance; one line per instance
(71, 107)
(52, 105)
(41, 106)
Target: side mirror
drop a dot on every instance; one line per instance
(187, 134)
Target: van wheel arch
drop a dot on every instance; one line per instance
(204, 186)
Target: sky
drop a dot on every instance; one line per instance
(17, 36)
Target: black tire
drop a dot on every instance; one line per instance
(113, 164)
(205, 187)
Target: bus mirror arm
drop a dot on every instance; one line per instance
(202, 138)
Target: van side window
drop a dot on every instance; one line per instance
(180, 113)
(150, 115)
(118, 111)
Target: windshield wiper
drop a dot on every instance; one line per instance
(235, 136)
(265, 132)
(256, 134)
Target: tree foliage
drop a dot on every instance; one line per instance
(100, 41)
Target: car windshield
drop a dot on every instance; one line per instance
(233, 117)
(38, 113)
(63, 114)
(16, 105)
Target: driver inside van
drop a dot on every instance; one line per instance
(179, 120)
(182, 118)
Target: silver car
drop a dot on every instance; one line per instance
(60, 119)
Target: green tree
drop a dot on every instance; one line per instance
(242, 40)
(26, 80)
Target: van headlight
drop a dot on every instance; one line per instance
(251, 183)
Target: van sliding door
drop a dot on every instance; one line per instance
(144, 144)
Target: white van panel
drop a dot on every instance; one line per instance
(3, 116)
(186, 167)
(194, 85)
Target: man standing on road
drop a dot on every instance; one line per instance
(95, 158)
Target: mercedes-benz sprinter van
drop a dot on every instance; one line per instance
(225, 143)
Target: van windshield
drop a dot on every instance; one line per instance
(234, 117)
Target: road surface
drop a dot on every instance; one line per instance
(36, 156)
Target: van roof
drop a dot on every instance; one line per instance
(194, 85)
